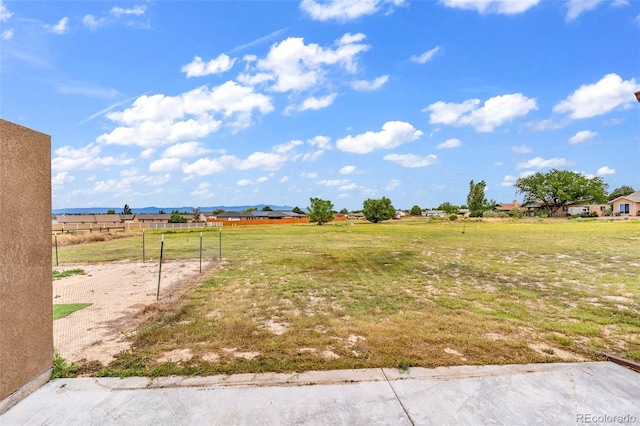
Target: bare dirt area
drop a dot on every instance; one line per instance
(118, 292)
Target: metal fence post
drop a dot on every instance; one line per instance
(160, 267)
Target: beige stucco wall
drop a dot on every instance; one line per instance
(634, 207)
(26, 325)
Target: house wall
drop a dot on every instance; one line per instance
(634, 207)
(26, 323)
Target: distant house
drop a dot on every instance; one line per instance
(435, 213)
(508, 208)
(627, 205)
(151, 218)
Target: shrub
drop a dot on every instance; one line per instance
(453, 217)
(490, 213)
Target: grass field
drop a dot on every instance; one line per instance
(62, 310)
(397, 294)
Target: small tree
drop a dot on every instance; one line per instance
(320, 211)
(111, 211)
(267, 209)
(448, 208)
(344, 211)
(416, 211)
(126, 209)
(177, 218)
(621, 192)
(476, 200)
(196, 214)
(249, 210)
(298, 210)
(377, 210)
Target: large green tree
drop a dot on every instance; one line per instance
(476, 200)
(558, 188)
(320, 211)
(416, 211)
(621, 192)
(377, 210)
(448, 208)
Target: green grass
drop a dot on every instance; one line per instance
(395, 294)
(58, 275)
(62, 310)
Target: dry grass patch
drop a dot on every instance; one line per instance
(297, 298)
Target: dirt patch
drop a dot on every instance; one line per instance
(122, 295)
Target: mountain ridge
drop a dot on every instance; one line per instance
(155, 210)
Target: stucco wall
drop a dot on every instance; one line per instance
(26, 326)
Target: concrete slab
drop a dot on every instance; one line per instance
(577, 393)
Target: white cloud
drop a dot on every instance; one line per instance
(313, 103)
(159, 119)
(522, 149)
(582, 136)
(392, 135)
(202, 190)
(347, 170)
(165, 165)
(450, 143)
(262, 179)
(244, 182)
(60, 28)
(576, 7)
(411, 160)
(5, 14)
(86, 158)
(284, 179)
(393, 184)
(495, 112)
(426, 56)
(198, 68)
(334, 182)
(508, 181)
(309, 175)
(263, 160)
(7, 34)
(346, 10)
(91, 22)
(136, 11)
(208, 166)
(61, 178)
(147, 153)
(604, 170)
(369, 86)
(296, 66)
(501, 7)
(541, 163)
(321, 142)
(186, 149)
(591, 100)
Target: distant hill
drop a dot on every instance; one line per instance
(103, 210)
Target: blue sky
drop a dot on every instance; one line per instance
(205, 103)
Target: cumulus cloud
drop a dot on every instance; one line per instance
(346, 10)
(159, 119)
(60, 28)
(186, 149)
(347, 170)
(86, 158)
(604, 170)
(202, 190)
(450, 143)
(5, 14)
(61, 178)
(582, 136)
(270, 161)
(244, 182)
(91, 22)
(522, 149)
(426, 56)
(321, 142)
(495, 112)
(293, 65)
(590, 100)
(411, 160)
(334, 182)
(198, 68)
(313, 103)
(501, 7)
(392, 135)
(165, 165)
(309, 175)
(369, 86)
(136, 11)
(508, 181)
(7, 34)
(576, 7)
(541, 163)
(393, 184)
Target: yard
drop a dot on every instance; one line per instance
(396, 294)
